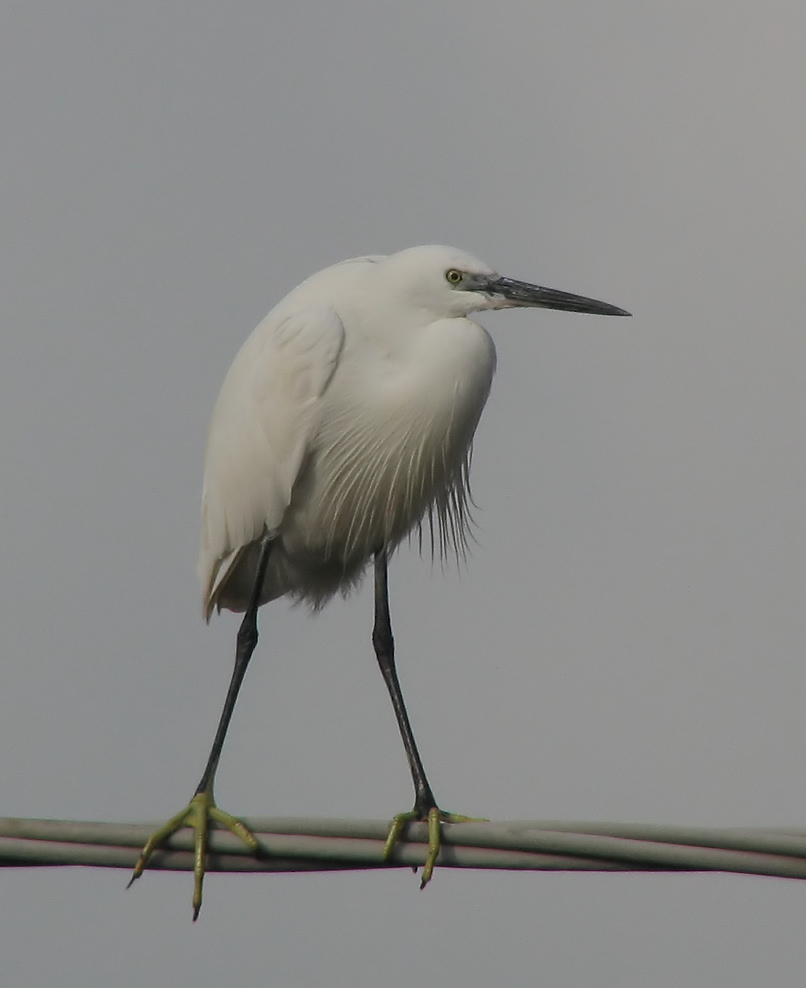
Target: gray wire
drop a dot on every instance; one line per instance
(304, 844)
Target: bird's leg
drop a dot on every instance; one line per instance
(425, 806)
(202, 808)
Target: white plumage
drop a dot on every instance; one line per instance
(346, 417)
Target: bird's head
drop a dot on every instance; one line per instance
(450, 283)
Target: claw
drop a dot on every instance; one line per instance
(434, 817)
(196, 815)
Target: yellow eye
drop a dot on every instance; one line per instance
(453, 277)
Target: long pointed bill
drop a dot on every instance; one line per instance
(522, 294)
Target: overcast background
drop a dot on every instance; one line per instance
(627, 642)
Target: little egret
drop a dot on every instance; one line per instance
(345, 422)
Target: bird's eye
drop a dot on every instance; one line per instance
(453, 277)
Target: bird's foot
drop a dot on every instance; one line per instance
(434, 817)
(197, 815)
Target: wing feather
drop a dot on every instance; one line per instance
(260, 434)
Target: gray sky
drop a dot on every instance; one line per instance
(627, 642)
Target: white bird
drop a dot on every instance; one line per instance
(345, 422)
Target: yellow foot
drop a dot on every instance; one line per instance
(196, 815)
(434, 817)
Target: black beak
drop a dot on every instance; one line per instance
(522, 294)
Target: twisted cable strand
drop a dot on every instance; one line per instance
(304, 844)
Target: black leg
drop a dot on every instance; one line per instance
(425, 806)
(202, 810)
(384, 645)
(246, 644)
